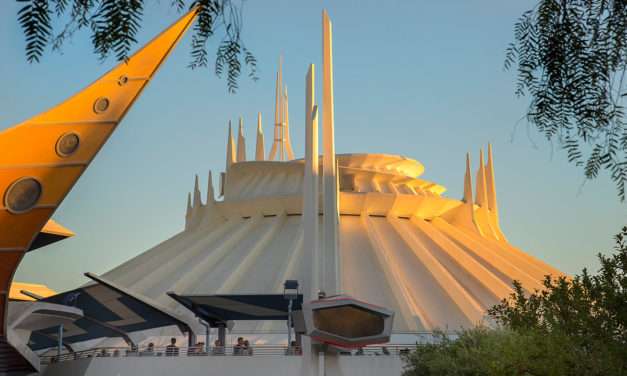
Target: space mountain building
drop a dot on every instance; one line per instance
(330, 264)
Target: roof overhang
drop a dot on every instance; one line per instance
(109, 311)
(218, 309)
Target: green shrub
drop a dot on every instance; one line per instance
(574, 326)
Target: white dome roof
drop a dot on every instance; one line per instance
(402, 245)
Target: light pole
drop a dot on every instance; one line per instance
(290, 292)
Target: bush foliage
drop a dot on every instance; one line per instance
(574, 326)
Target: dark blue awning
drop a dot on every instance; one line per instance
(108, 312)
(221, 308)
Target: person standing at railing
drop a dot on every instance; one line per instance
(238, 349)
(247, 349)
(149, 351)
(218, 347)
(172, 349)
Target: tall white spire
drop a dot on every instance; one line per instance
(260, 147)
(286, 127)
(331, 260)
(210, 192)
(492, 202)
(483, 218)
(491, 185)
(311, 256)
(481, 192)
(230, 148)
(197, 200)
(277, 142)
(188, 211)
(464, 214)
(241, 142)
(468, 182)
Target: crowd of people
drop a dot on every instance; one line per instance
(241, 347)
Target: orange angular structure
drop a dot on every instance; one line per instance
(43, 157)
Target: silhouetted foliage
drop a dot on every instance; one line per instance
(588, 308)
(573, 326)
(571, 58)
(114, 24)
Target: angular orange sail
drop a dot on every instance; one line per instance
(42, 158)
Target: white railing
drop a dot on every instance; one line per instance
(256, 350)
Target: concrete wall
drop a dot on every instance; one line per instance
(223, 366)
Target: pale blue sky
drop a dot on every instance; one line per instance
(421, 79)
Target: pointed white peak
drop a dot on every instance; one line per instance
(210, 191)
(197, 200)
(490, 181)
(189, 204)
(260, 147)
(230, 148)
(286, 129)
(481, 194)
(241, 143)
(278, 117)
(468, 182)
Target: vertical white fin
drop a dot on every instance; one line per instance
(491, 186)
(277, 141)
(464, 215)
(482, 215)
(481, 195)
(492, 202)
(310, 189)
(188, 211)
(260, 147)
(330, 257)
(286, 128)
(210, 192)
(230, 148)
(241, 142)
(468, 182)
(197, 200)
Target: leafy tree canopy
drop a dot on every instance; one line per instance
(574, 326)
(113, 26)
(571, 58)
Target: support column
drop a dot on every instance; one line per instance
(310, 191)
(60, 338)
(222, 336)
(330, 256)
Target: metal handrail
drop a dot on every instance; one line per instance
(196, 351)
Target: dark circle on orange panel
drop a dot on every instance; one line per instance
(101, 105)
(67, 144)
(22, 195)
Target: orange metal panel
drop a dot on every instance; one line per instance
(8, 264)
(24, 149)
(30, 149)
(55, 182)
(18, 230)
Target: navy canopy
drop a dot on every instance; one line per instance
(221, 308)
(108, 312)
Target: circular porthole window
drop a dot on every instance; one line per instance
(122, 80)
(67, 144)
(101, 105)
(22, 195)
